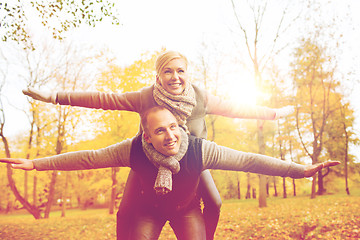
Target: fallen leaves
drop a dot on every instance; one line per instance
(326, 217)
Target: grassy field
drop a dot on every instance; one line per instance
(326, 217)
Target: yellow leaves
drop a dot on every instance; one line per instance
(327, 217)
(131, 78)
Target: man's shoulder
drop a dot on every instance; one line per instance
(195, 144)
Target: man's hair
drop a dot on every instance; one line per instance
(165, 58)
(144, 116)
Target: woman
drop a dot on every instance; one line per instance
(187, 102)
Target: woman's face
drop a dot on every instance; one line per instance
(173, 76)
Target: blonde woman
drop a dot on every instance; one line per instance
(188, 103)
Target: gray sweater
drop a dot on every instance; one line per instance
(143, 99)
(213, 157)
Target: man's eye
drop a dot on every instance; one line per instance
(159, 131)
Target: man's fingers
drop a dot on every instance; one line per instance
(310, 170)
(331, 163)
(11, 160)
(19, 166)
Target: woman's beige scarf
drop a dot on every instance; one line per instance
(167, 165)
(180, 105)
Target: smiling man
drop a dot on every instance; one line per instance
(167, 158)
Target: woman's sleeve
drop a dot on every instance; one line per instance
(129, 101)
(219, 157)
(218, 106)
(117, 155)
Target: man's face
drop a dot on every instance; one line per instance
(163, 132)
(173, 76)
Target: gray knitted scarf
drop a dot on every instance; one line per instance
(180, 105)
(167, 165)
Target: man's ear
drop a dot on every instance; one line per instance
(147, 138)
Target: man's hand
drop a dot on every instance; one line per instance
(19, 163)
(283, 112)
(310, 170)
(41, 96)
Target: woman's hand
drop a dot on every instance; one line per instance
(19, 163)
(41, 96)
(283, 112)
(310, 170)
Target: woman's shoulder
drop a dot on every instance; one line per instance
(147, 89)
(199, 92)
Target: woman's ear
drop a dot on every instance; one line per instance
(158, 79)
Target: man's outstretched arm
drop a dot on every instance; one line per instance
(219, 157)
(117, 155)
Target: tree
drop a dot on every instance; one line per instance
(254, 44)
(315, 83)
(119, 125)
(57, 17)
(346, 155)
(32, 209)
(340, 134)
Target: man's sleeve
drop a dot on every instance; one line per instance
(219, 157)
(117, 155)
(129, 101)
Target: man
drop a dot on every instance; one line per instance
(170, 162)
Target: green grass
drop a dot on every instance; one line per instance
(326, 217)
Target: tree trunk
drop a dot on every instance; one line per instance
(33, 210)
(51, 194)
(314, 161)
(58, 150)
(28, 157)
(294, 187)
(238, 187)
(313, 188)
(64, 195)
(113, 190)
(346, 156)
(34, 191)
(26, 185)
(262, 180)
(321, 189)
(284, 189)
(275, 189)
(248, 190)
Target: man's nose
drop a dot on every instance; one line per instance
(169, 134)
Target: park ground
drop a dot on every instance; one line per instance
(334, 216)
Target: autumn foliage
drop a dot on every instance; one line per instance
(326, 217)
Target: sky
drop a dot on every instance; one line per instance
(184, 26)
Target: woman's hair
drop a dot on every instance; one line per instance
(166, 57)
